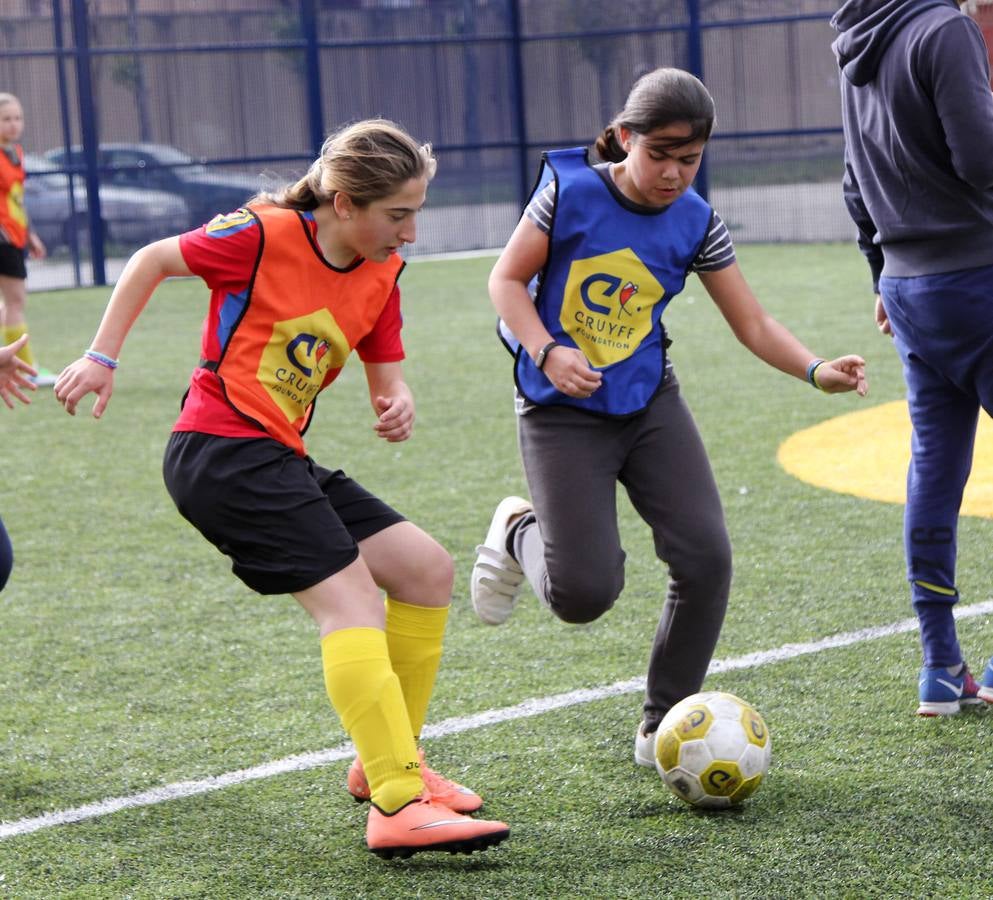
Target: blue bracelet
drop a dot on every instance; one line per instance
(102, 359)
(811, 369)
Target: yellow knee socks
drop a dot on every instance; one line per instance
(366, 694)
(414, 635)
(10, 334)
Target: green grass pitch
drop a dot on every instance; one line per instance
(131, 658)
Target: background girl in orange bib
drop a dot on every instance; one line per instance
(298, 280)
(16, 236)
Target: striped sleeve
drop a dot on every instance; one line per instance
(717, 251)
(542, 207)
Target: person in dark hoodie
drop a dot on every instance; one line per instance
(918, 122)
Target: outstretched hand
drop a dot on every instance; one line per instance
(846, 373)
(15, 374)
(81, 378)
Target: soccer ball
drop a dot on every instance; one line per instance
(712, 750)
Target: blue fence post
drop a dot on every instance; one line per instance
(694, 48)
(315, 105)
(60, 72)
(88, 120)
(517, 93)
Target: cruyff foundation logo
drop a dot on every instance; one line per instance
(15, 203)
(297, 359)
(608, 303)
(314, 348)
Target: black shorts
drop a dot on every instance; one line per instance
(12, 261)
(286, 522)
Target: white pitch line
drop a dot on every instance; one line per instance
(455, 725)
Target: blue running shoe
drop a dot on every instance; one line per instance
(986, 685)
(944, 694)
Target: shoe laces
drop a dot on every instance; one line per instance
(437, 785)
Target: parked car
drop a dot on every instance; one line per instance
(129, 216)
(164, 168)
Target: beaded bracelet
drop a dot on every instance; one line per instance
(102, 359)
(812, 372)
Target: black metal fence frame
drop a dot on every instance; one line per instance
(81, 54)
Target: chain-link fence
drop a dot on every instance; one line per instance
(145, 117)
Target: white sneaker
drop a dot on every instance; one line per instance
(496, 577)
(644, 747)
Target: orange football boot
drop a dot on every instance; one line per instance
(425, 824)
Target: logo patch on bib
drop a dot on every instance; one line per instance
(608, 303)
(296, 361)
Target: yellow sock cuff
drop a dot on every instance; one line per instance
(365, 692)
(415, 621)
(348, 643)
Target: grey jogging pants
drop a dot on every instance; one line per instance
(570, 549)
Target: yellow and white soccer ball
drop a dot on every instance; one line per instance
(712, 750)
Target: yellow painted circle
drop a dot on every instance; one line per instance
(866, 453)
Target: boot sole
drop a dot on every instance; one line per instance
(467, 846)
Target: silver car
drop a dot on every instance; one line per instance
(130, 216)
(206, 190)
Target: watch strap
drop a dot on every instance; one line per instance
(542, 356)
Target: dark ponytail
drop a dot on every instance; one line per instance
(608, 146)
(658, 99)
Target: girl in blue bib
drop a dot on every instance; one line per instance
(580, 289)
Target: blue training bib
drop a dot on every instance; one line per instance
(610, 273)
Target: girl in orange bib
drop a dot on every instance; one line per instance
(16, 237)
(298, 281)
